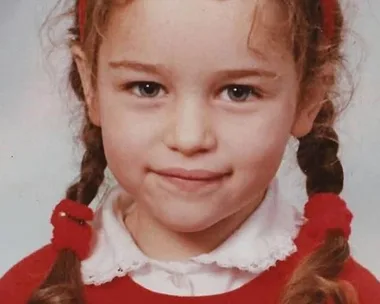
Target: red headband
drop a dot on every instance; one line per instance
(328, 12)
(82, 7)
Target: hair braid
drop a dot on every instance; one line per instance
(63, 284)
(92, 166)
(317, 155)
(315, 279)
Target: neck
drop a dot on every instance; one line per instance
(179, 245)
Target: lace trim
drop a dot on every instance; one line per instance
(105, 266)
(265, 252)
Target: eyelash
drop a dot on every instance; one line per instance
(247, 90)
(138, 85)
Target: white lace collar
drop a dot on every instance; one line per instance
(264, 238)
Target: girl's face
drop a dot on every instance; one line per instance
(195, 110)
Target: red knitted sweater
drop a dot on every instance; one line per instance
(323, 212)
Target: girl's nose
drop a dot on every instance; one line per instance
(190, 129)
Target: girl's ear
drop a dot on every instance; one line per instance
(312, 103)
(87, 85)
(305, 118)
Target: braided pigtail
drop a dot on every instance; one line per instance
(315, 279)
(317, 155)
(64, 284)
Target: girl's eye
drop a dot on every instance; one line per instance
(240, 93)
(145, 89)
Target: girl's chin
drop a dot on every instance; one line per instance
(187, 226)
(187, 222)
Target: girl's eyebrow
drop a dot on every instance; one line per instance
(241, 73)
(160, 69)
(139, 67)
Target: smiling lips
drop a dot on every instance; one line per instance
(192, 180)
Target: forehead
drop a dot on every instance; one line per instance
(201, 28)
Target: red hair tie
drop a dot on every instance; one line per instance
(326, 211)
(328, 13)
(71, 230)
(82, 6)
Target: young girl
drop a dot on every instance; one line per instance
(190, 104)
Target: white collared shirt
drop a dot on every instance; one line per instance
(266, 237)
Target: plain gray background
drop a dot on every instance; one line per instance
(38, 158)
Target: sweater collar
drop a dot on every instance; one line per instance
(265, 238)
